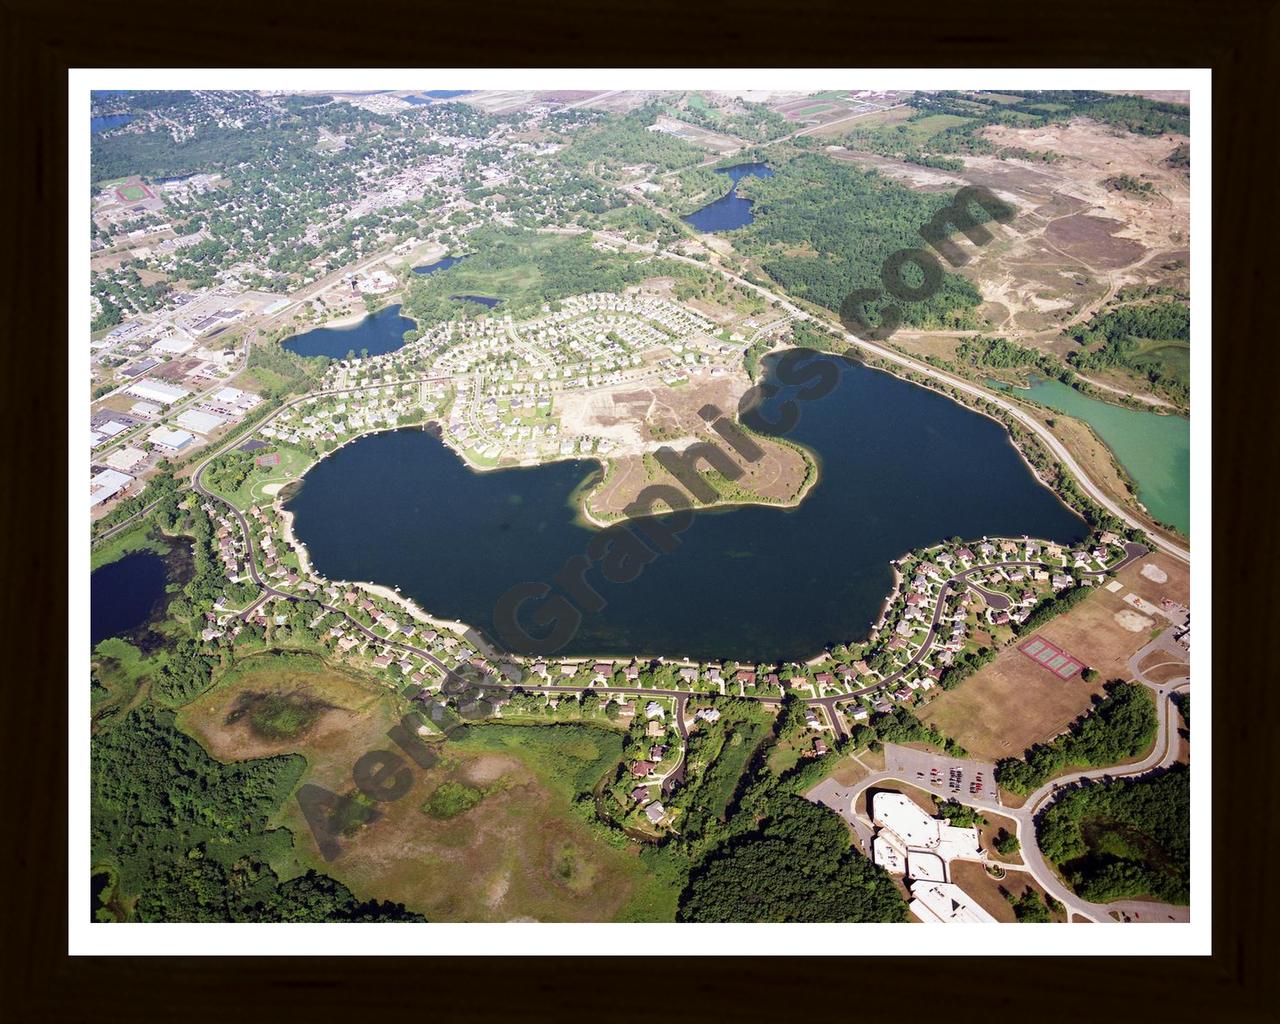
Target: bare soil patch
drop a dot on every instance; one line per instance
(1093, 240)
(1010, 704)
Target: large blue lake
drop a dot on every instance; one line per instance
(376, 334)
(730, 210)
(902, 467)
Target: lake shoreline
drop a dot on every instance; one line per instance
(1022, 513)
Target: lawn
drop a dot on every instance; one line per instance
(293, 462)
(816, 109)
(1008, 705)
(136, 538)
(927, 127)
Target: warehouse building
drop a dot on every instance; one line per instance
(199, 421)
(107, 484)
(126, 459)
(156, 391)
(171, 440)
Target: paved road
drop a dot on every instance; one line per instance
(959, 581)
(1163, 754)
(958, 383)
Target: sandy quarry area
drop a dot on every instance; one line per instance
(640, 419)
(1076, 240)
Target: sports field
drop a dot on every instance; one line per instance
(133, 193)
(1056, 660)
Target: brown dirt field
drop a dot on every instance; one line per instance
(1168, 672)
(565, 95)
(645, 419)
(150, 277)
(1091, 631)
(1176, 588)
(175, 369)
(1012, 703)
(1075, 241)
(1093, 240)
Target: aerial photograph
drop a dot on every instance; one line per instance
(636, 505)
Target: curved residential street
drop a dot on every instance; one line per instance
(1055, 446)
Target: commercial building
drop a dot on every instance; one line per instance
(200, 422)
(107, 484)
(174, 346)
(172, 440)
(126, 459)
(157, 391)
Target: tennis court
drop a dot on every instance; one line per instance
(1055, 659)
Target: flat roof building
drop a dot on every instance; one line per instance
(107, 484)
(904, 818)
(157, 391)
(199, 421)
(945, 903)
(144, 409)
(175, 346)
(126, 459)
(174, 440)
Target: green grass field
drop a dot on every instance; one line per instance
(132, 193)
(137, 538)
(923, 130)
(254, 489)
(1173, 358)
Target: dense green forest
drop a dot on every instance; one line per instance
(187, 838)
(1120, 726)
(1121, 338)
(1129, 838)
(627, 140)
(755, 122)
(796, 865)
(823, 229)
(996, 353)
(526, 269)
(1131, 113)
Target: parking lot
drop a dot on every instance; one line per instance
(945, 777)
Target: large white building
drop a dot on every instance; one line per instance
(173, 440)
(156, 391)
(126, 459)
(944, 903)
(199, 421)
(912, 843)
(107, 484)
